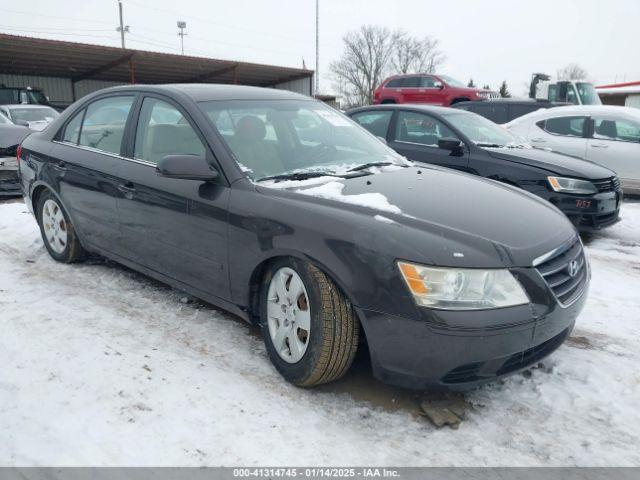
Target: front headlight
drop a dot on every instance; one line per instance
(462, 288)
(572, 185)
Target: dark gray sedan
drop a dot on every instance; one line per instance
(281, 210)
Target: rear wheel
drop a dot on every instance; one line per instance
(57, 231)
(309, 326)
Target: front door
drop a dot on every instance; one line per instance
(173, 226)
(415, 135)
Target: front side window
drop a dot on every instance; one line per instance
(588, 94)
(616, 129)
(104, 122)
(428, 82)
(419, 128)
(566, 126)
(376, 122)
(163, 130)
(279, 137)
(572, 97)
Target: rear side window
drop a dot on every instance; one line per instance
(616, 129)
(104, 122)
(395, 83)
(566, 126)
(410, 82)
(376, 122)
(493, 111)
(72, 130)
(419, 128)
(163, 130)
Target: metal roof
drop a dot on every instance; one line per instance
(80, 61)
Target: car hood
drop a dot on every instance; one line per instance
(553, 162)
(451, 218)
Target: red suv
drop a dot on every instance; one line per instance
(427, 88)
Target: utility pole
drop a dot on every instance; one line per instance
(317, 89)
(122, 28)
(182, 25)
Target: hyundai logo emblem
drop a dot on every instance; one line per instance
(573, 268)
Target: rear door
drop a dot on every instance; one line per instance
(565, 134)
(615, 143)
(84, 162)
(375, 121)
(173, 226)
(415, 135)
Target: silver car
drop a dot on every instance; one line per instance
(607, 135)
(36, 117)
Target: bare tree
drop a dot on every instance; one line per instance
(363, 63)
(572, 71)
(414, 55)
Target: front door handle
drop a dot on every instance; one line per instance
(60, 166)
(599, 145)
(538, 140)
(127, 189)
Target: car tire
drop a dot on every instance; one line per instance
(58, 233)
(325, 351)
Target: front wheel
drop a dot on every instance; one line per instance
(57, 231)
(309, 326)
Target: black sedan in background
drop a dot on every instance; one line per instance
(506, 109)
(588, 193)
(281, 210)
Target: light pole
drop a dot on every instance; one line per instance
(182, 25)
(122, 28)
(317, 74)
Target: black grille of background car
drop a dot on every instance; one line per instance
(555, 272)
(607, 185)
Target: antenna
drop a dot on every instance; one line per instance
(182, 25)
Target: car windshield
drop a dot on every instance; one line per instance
(38, 114)
(588, 94)
(481, 131)
(452, 82)
(287, 137)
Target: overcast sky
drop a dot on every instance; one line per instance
(488, 40)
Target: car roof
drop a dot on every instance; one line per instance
(415, 107)
(23, 105)
(202, 92)
(574, 110)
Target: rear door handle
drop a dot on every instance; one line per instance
(127, 189)
(599, 145)
(538, 140)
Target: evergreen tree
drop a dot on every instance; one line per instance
(504, 92)
(487, 87)
(471, 84)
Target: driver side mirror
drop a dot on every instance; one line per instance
(449, 143)
(439, 85)
(186, 167)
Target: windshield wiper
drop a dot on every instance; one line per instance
(297, 176)
(364, 166)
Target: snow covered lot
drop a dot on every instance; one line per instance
(102, 366)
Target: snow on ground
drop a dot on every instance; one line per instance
(102, 366)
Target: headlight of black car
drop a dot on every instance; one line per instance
(462, 288)
(572, 185)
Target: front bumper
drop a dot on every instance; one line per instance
(590, 212)
(460, 350)
(9, 183)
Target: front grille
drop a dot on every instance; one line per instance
(607, 185)
(566, 273)
(533, 354)
(599, 221)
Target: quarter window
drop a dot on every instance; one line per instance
(72, 130)
(104, 122)
(567, 126)
(418, 128)
(376, 122)
(621, 130)
(163, 130)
